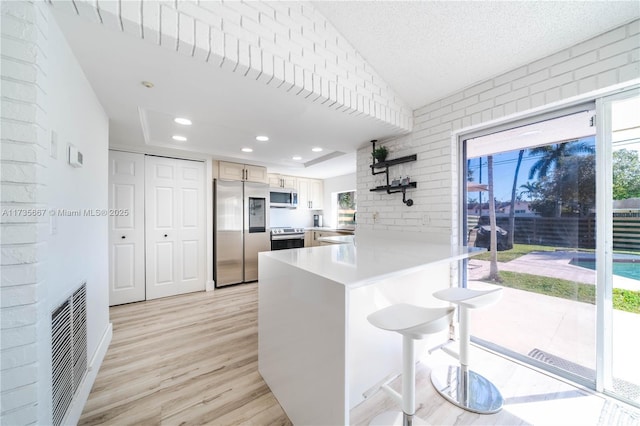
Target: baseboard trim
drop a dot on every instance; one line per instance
(81, 396)
(211, 285)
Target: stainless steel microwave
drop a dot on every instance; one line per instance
(283, 198)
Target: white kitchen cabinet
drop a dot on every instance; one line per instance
(282, 181)
(244, 172)
(310, 194)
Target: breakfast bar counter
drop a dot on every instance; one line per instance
(317, 352)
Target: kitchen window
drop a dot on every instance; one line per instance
(346, 211)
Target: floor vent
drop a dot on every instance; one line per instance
(68, 351)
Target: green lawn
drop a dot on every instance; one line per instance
(624, 300)
(517, 251)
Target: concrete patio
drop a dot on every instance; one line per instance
(553, 330)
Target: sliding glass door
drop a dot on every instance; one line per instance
(618, 253)
(541, 180)
(566, 219)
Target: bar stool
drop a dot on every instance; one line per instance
(413, 323)
(459, 384)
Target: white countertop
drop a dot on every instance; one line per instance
(370, 259)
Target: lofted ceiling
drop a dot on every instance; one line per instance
(424, 51)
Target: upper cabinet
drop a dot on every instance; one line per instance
(282, 181)
(310, 194)
(244, 172)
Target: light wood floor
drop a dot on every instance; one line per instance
(190, 359)
(193, 359)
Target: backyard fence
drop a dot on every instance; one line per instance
(567, 231)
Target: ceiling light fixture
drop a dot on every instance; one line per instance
(147, 84)
(179, 138)
(530, 133)
(296, 158)
(183, 121)
(247, 150)
(316, 149)
(262, 138)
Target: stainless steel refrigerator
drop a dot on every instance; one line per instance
(241, 230)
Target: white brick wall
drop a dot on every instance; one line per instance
(605, 60)
(23, 121)
(273, 42)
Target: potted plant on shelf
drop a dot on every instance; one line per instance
(380, 154)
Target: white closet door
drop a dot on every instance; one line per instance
(175, 226)
(126, 228)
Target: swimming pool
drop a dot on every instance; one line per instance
(622, 267)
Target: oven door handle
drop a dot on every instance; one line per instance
(287, 237)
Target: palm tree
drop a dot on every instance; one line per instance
(493, 246)
(552, 156)
(512, 211)
(530, 189)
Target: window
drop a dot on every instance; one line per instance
(346, 210)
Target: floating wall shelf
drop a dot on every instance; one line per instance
(382, 164)
(393, 189)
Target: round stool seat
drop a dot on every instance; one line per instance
(410, 320)
(469, 298)
(413, 323)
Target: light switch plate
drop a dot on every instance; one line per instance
(75, 156)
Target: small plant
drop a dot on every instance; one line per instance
(380, 153)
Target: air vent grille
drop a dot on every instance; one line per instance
(68, 351)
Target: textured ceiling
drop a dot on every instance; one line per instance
(426, 50)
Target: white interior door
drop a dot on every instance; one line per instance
(126, 228)
(175, 226)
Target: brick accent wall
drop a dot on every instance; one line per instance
(287, 45)
(24, 149)
(606, 60)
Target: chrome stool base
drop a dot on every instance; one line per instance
(467, 389)
(397, 418)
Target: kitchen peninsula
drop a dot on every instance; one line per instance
(317, 352)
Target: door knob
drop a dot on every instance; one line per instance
(165, 235)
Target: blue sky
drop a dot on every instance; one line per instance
(504, 166)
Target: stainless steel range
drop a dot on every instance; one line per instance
(287, 238)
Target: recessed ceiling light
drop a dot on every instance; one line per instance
(179, 138)
(183, 121)
(247, 150)
(262, 138)
(147, 84)
(296, 157)
(316, 149)
(530, 133)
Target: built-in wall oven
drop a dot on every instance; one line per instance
(287, 238)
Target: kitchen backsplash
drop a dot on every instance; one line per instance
(296, 218)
